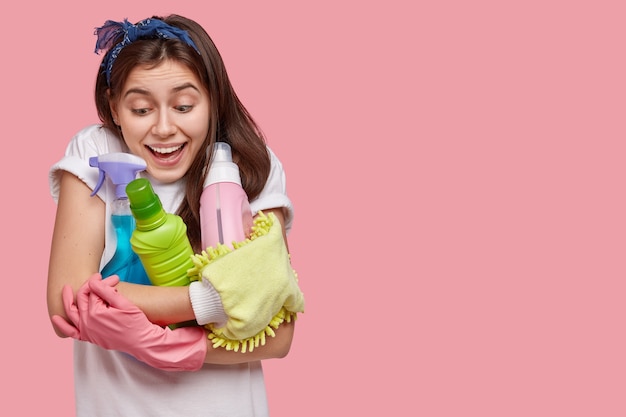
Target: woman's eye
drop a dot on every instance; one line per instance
(184, 109)
(140, 111)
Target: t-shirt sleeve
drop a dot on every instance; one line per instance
(274, 194)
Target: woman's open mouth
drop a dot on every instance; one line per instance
(167, 153)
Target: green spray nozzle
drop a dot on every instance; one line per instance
(120, 167)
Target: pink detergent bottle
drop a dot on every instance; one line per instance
(225, 215)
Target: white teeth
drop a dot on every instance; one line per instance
(166, 150)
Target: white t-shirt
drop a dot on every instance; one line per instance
(109, 383)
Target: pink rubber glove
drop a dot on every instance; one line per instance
(104, 317)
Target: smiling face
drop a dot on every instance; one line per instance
(163, 113)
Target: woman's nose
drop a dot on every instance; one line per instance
(164, 125)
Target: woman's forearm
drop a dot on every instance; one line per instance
(162, 305)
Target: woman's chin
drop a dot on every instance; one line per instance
(166, 176)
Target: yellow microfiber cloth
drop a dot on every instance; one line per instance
(257, 285)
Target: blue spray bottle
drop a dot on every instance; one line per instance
(121, 168)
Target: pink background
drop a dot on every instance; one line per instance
(458, 174)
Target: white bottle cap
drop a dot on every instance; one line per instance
(222, 168)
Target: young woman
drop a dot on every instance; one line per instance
(163, 94)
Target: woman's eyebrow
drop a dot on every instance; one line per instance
(185, 86)
(146, 92)
(136, 91)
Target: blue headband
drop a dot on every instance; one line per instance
(146, 29)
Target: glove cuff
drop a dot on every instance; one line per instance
(206, 303)
(181, 349)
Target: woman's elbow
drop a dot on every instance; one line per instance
(283, 344)
(55, 308)
(57, 330)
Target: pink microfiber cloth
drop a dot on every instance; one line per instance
(257, 285)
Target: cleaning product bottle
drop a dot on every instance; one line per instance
(160, 238)
(121, 168)
(225, 215)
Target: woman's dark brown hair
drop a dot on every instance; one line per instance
(229, 121)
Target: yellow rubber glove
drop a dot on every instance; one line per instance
(256, 283)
